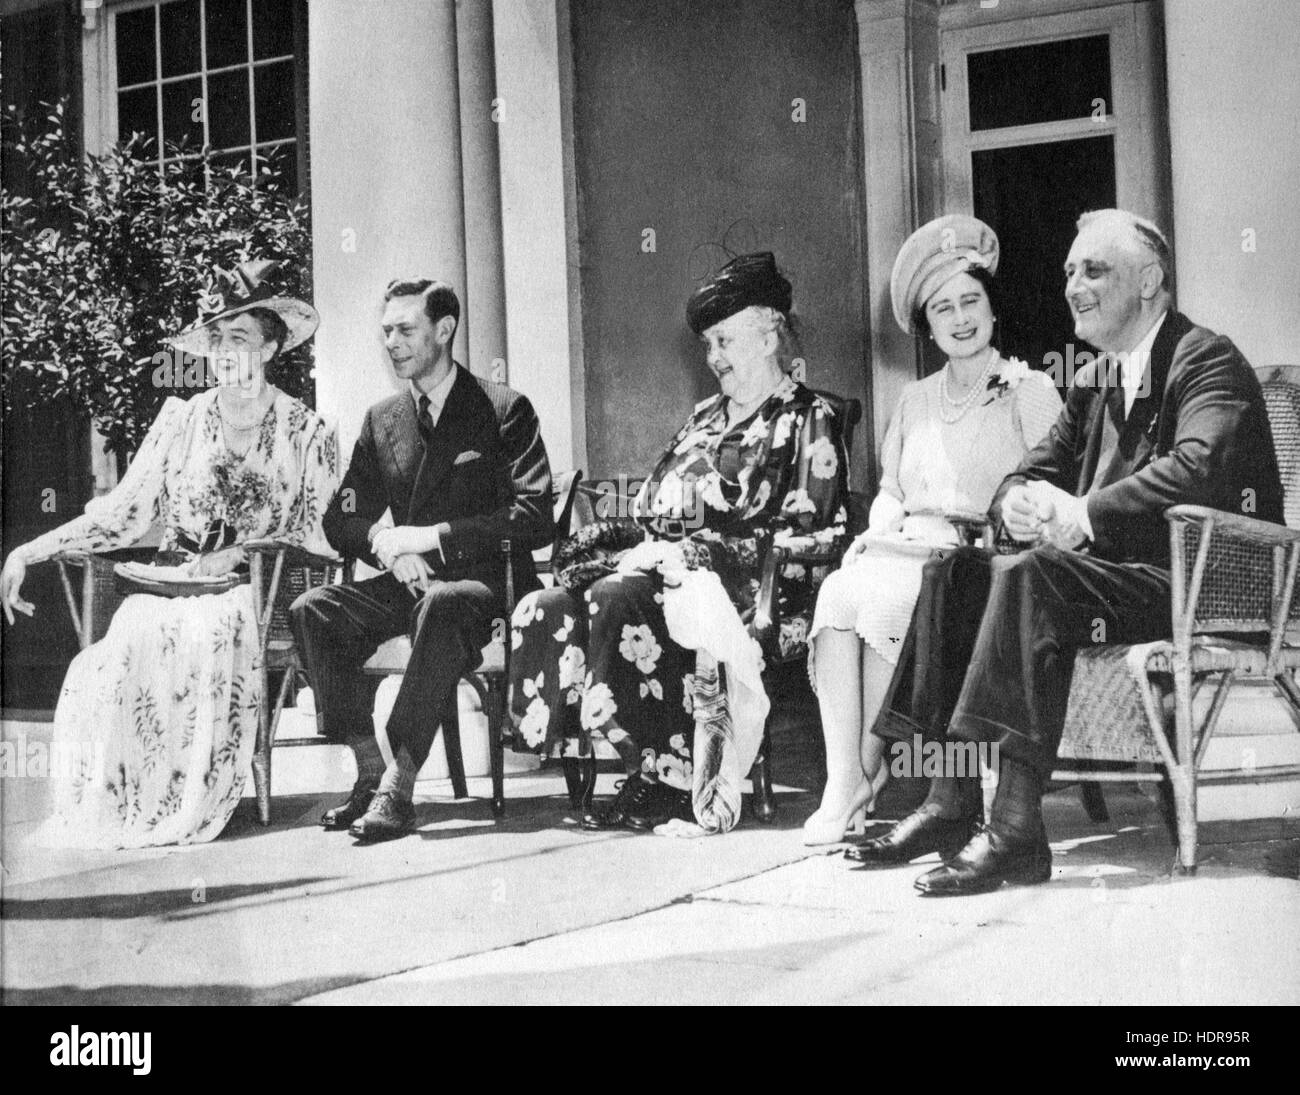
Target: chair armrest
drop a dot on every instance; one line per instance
(971, 525)
(293, 555)
(1231, 573)
(1234, 525)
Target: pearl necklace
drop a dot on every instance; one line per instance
(963, 405)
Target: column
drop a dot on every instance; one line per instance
(387, 195)
(898, 44)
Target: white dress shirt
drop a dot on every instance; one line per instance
(437, 395)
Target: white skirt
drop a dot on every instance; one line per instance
(156, 725)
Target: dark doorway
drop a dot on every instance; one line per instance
(1032, 195)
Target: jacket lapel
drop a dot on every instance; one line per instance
(456, 426)
(1138, 434)
(403, 441)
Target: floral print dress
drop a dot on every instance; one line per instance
(159, 718)
(601, 661)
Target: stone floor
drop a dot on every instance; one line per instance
(531, 910)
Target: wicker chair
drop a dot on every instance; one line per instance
(491, 679)
(1235, 615)
(274, 588)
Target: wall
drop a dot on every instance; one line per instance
(1234, 101)
(683, 123)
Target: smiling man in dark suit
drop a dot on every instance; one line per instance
(459, 463)
(1171, 413)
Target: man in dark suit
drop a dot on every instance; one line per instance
(459, 464)
(1171, 413)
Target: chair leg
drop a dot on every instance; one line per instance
(1094, 802)
(761, 779)
(451, 742)
(1182, 782)
(496, 716)
(572, 779)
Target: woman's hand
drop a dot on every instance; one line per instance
(856, 548)
(11, 582)
(217, 563)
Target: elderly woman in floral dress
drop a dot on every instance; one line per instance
(762, 459)
(162, 711)
(952, 439)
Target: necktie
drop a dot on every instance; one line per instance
(424, 422)
(1112, 419)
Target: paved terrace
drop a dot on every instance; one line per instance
(533, 910)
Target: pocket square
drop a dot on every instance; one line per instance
(467, 456)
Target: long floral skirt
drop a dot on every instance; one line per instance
(604, 665)
(156, 724)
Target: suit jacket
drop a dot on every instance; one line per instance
(485, 478)
(1199, 436)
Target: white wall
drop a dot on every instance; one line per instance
(1234, 109)
(386, 181)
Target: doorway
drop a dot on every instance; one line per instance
(1045, 118)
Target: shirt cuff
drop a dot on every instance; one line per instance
(1081, 518)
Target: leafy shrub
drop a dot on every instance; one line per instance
(107, 256)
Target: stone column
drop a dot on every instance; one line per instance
(483, 298)
(898, 45)
(387, 190)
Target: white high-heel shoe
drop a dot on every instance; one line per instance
(832, 830)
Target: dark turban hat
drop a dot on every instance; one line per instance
(743, 282)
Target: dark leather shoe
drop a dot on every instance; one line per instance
(635, 797)
(387, 817)
(666, 804)
(989, 860)
(345, 813)
(918, 834)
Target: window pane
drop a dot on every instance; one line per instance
(283, 160)
(227, 28)
(183, 114)
(228, 109)
(272, 28)
(180, 37)
(137, 112)
(1043, 83)
(135, 47)
(1031, 196)
(273, 86)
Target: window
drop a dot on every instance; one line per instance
(228, 74)
(1046, 117)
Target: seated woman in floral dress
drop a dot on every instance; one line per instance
(163, 710)
(952, 439)
(763, 458)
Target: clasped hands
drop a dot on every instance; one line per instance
(1037, 512)
(401, 549)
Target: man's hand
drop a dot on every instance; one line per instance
(413, 572)
(389, 543)
(11, 582)
(1021, 514)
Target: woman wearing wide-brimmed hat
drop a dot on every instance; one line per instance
(163, 709)
(950, 442)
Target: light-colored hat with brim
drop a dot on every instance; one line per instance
(934, 253)
(250, 285)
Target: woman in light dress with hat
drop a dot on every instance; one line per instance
(950, 442)
(160, 715)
